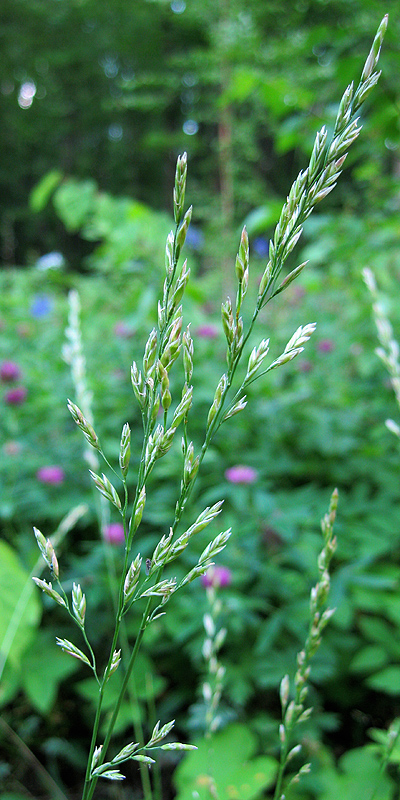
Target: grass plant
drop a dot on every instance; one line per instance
(164, 392)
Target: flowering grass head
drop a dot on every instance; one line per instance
(141, 577)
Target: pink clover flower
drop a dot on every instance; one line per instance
(241, 474)
(9, 371)
(52, 475)
(216, 577)
(114, 533)
(15, 397)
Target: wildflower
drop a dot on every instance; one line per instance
(9, 371)
(14, 397)
(41, 306)
(261, 246)
(207, 331)
(52, 475)
(241, 474)
(216, 577)
(114, 533)
(194, 238)
(326, 346)
(53, 260)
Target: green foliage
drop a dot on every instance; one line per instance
(146, 686)
(41, 677)
(297, 452)
(358, 776)
(225, 766)
(122, 226)
(325, 428)
(116, 85)
(20, 611)
(43, 191)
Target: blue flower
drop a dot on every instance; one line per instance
(41, 306)
(261, 246)
(194, 238)
(54, 260)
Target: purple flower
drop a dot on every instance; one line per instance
(261, 246)
(41, 306)
(14, 397)
(241, 474)
(9, 371)
(114, 533)
(216, 577)
(326, 346)
(207, 331)
(53, 475)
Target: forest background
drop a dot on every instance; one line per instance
(97, 99)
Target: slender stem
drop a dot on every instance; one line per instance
(281, 770)
(117, 706)
(137, 727)
(153, 719)
(86, 787)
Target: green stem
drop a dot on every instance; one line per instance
(89, 794)
(137, 726)
(153, 721)
(87, 783)
(281, 771)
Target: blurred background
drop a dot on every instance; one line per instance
(97, 99)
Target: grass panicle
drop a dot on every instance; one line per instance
(165, 406)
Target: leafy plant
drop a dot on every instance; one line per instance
(154, 389)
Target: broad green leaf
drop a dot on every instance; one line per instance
(387, 680)
(358, 777)
(262, 218)
(74, 202)
(20, 608)
(226, 758)
(12, 796)
(10, 684)
(369, 658)
(40, 195)
(44, 667)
